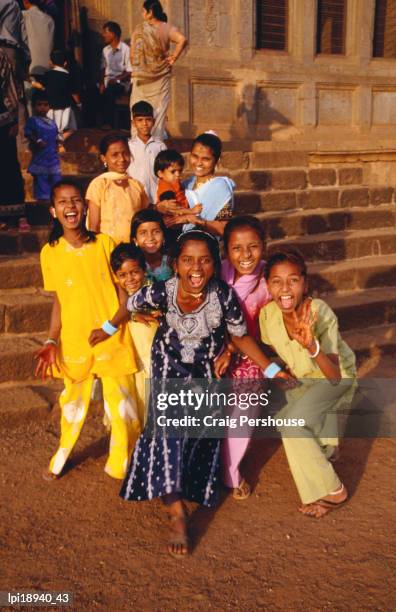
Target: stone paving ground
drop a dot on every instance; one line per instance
(76, 534)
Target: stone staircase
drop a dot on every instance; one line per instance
(345, 229)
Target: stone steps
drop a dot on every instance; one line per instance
(345, 245)
(375, 341)
(363, 309)
(17, 356)
(312, 199)
(309, 222)
(24, 310)
(13, 242)
(20, 271)
(350, 275)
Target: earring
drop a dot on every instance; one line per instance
(105, 164)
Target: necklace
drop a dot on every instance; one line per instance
(197, 296)
(202, 181)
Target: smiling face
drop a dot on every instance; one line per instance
(195, 266)
(202, 161)
(172, 173)
(149, 237)
(287, 286)
(130, 276)
(117, 157)
(244, 250)
(69, 208)
(144, 126)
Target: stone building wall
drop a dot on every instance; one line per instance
(295, 97)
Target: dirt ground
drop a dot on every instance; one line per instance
(77, 535)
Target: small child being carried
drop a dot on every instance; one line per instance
(168, 168)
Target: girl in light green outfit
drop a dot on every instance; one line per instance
(304, 333)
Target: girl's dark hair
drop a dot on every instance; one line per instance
(166, 158)
(57, 229)
(209, 240)
(240, 222)
(156, 7)
(110, 139)
(124, 252)
(211, 141)
(285, 254)
(58, 57)
(148, 215)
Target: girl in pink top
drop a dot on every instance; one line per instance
(244, 272)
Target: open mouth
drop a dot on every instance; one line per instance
(71, 217)
(245, 265)
(196, 280)
(287, 301)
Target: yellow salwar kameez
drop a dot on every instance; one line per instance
(117, 203)
(84, 284)
(142, 337)
(309, 447)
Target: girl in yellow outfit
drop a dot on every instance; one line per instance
(305, 335)
(76, 267)
(129, 266)
(114, 197)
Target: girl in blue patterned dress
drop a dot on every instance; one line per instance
(42, 134)
(198, 309)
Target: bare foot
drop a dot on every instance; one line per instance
(323, 506)
(178, 540)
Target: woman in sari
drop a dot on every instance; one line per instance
(152, 62)
(214, 193)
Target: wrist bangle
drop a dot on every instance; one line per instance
(317, 349)
(272, 370)
(51, 341)
(109, 329)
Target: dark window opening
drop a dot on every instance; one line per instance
(331, 26)
(271, 24)
(384, 41)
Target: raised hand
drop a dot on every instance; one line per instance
(303, 325)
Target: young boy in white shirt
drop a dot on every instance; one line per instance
(116, 69)
(144, 148)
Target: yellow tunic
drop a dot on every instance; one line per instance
(274, 333)
(84, 283)
(142, 337)
(117, 204)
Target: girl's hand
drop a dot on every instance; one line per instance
(146, 318)
(180, 219)
(285, 381)
(46, 359)
(170, 60)
(303, 326)
(97, 336)
(221, 363)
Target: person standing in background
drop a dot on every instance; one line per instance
(115, 70)
(13, 40)
(12, 191)
(152, 62)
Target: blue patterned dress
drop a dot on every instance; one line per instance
(45, 164)
(184, 348)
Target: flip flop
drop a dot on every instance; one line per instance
(325, 504)
(23, 225)
(243, 491)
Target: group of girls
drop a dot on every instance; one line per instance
(212, 316)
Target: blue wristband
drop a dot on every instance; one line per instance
(272, 370)
(109, 328)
